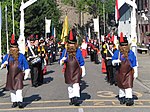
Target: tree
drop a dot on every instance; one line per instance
(36, 13)
(34, 18)
(10, 22)
(92, 6)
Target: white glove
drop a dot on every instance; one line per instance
(83, 71)
(27, 72)
(62, 60)
(135, 72)
(4, 64)
(114, 62)
(45, 63)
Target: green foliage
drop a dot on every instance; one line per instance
(34, 18)
(36, 13)
(94, 7)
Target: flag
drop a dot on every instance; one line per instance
(96, 24)
(52, 34)
(120, 9)
(87, 38)
(65, 29)
(47, 25)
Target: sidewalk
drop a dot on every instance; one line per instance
(144, 69)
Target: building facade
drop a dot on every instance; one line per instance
(143, 21)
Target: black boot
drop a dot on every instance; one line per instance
(20, 105)
(15, 104)
(76, 101)
(71, 101)
(122, 100)
(129, 102)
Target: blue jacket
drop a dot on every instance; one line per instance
(23, 64)
(131, 57)
(78, 56)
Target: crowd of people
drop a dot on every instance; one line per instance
(118, 62)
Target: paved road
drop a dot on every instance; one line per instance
(96, 94)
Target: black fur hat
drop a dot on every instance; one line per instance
(125, 42)
(72, 36)
(13, 42)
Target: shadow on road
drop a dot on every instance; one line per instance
(2, 92)
(48, 72)
(48, 80)
(84, 96)
(29, 100)
(83, 85)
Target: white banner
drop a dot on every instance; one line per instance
(47, 25)
(96, 25)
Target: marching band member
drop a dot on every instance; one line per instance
(35, 66)
(125, 59)
(16, 63)
(72, 58)
(84, 48)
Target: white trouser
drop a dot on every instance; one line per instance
(16, 96)
(74, 90)
(127, 93)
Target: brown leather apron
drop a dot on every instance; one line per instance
(125, 75)
(14, 76)
(73, 71)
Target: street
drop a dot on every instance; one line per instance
(96, 94)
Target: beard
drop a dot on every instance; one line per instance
(124, 50)
(71, 50)
(14, 53)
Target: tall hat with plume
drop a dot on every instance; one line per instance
(13, 42)
(123, 40)
(72, 36)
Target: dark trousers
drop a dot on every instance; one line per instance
(36, 76)
(92, 56)
(110, 74)
(96, 58)
(114, 74)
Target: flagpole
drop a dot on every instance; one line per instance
(0, 33)
(45, 27)
(13, 16)
(104, 16)
(6, 27)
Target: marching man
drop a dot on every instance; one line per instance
(74, 62)
(17, 65)
(125, 60)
